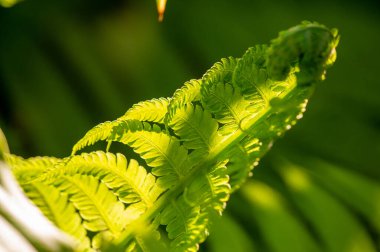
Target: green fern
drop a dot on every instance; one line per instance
(198, 147)
(55, 206)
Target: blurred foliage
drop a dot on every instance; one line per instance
(68, 65)
(3, 145)
(8, 3)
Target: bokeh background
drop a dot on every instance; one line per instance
(66, 66)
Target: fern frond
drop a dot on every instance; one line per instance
(128, 180)
(311, 45)
(243, 158)
(220, 98)
(28, 169)
(162, 152)
(98, 133)
(190, 92)
(97, 205)
(151, 111)
(188, 218)
(250, 76)
(284, 113)
(57, 208)
(196, 129)
(275, 106)
(182, 224)
(220, 72)
(211, 190)
(146, 238)
(228, 106)
(97, 184)
(215, 128)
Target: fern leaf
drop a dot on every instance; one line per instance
(56, 207)
(152, 111)
(196, 128)
(181, 220)
(228, 106)
(95, 203)
(99, 132)
(97, 184)
(129, 181)
(190, 92)
(250, 76)
(146, 238)
(243, 158)
(211, 190)
(220, 72)
(187, 219)
(283, 114)
(28, 169)
(161, 151)
(311, 45)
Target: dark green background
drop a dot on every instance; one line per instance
(66, 66)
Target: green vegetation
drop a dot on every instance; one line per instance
(200, 145)
(68, 65)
